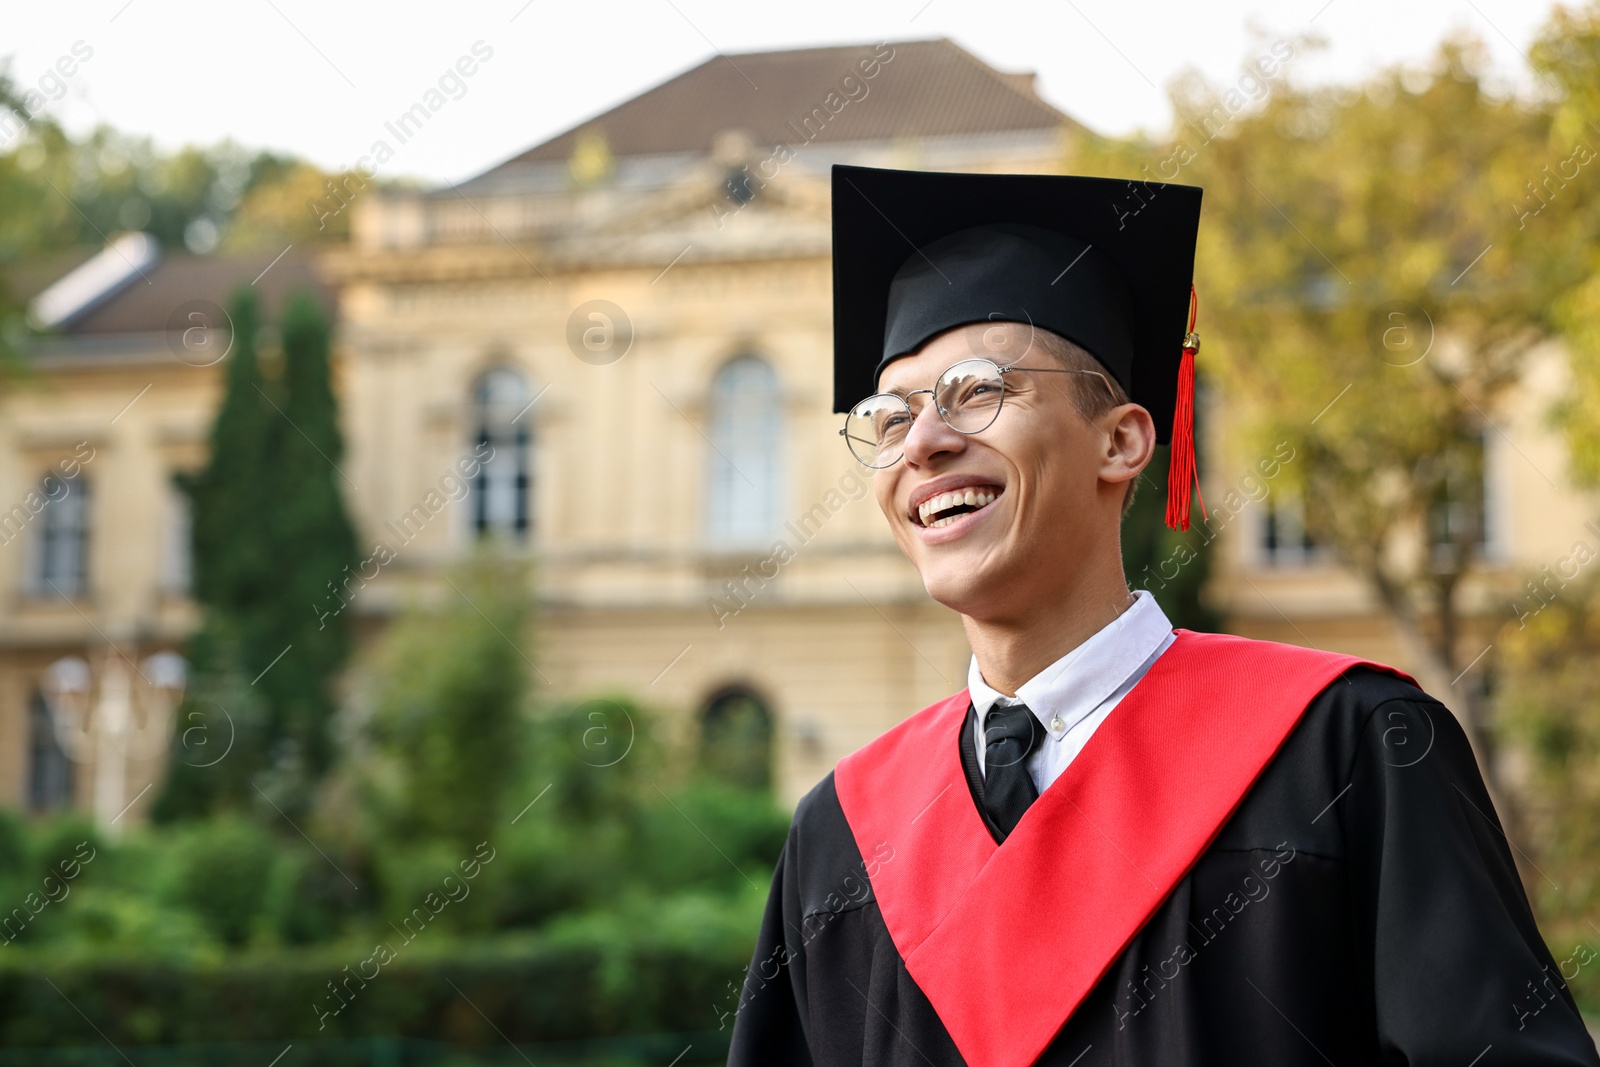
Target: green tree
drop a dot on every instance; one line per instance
(57, 192)
(220, 730)
(14, 218)
(1549, 690)
(1566, 55)
(271, 535)
(1370, 294)
(1173, 565)
(231, 497)
(1547, 713)
(232, 574)
(447, 725)
(311, 542)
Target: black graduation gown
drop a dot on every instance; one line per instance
(1360, 906)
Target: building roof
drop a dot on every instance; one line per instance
(921, 89)
(71, 296)
(145, 300)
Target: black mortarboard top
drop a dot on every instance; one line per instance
(1106, 263)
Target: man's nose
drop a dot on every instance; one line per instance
(930, 436)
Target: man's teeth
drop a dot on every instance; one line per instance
(972, 498)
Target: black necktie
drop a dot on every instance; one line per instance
(1010, 734)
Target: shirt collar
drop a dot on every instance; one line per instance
(1077, 683)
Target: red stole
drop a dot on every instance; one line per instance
(1007, 940)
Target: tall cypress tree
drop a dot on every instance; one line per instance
(270, 531)
(313, 544)
(229, 561)
(229, 497)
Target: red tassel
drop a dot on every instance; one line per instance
(1182, 475)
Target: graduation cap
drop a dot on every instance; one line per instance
(1106, 263)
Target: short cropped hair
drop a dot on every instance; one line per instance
(1090, 393)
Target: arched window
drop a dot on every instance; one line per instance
(736, 738)
(745, 502)
(501, 496)
(49, 769)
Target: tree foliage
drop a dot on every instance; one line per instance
(271, 535)
(1375, 274)
(62, 192)
(1566, 56)
(61, 198)
(449, 715)
(311, 540)
(1547, 716)
(1550, 692)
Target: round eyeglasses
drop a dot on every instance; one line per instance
(968, 397)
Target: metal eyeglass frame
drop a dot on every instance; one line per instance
(1000, 376)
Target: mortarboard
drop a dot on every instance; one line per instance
(1106, 263)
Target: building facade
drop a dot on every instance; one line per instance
(633, 318)
(640, 309)
(94, 532)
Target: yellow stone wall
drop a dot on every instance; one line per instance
(142, 415)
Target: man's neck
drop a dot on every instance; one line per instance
(1013, 650)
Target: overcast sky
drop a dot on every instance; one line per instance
(319, 78)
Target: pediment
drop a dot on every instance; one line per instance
(701, 203)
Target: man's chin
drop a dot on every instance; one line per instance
(962, 591)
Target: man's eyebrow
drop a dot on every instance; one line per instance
(901, 393)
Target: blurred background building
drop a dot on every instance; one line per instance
(635, 316)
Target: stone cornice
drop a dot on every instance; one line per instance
(457, 263)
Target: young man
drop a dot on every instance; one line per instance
(1121, 844)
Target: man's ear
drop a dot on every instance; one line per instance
(1130, 442)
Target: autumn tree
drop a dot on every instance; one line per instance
(1376, 272)
(1566, 57)
(1550, 689)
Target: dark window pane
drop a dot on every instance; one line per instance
(736, 739)
(49, 769)
(503, 490)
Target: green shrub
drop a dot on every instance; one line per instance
(308, 900)
(528, 989)
(100, 919)
(708, 834)
(222, 869)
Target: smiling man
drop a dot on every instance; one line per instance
(1121, 843)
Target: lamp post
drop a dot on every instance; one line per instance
(107, 716)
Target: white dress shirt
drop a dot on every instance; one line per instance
(1077, 692)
